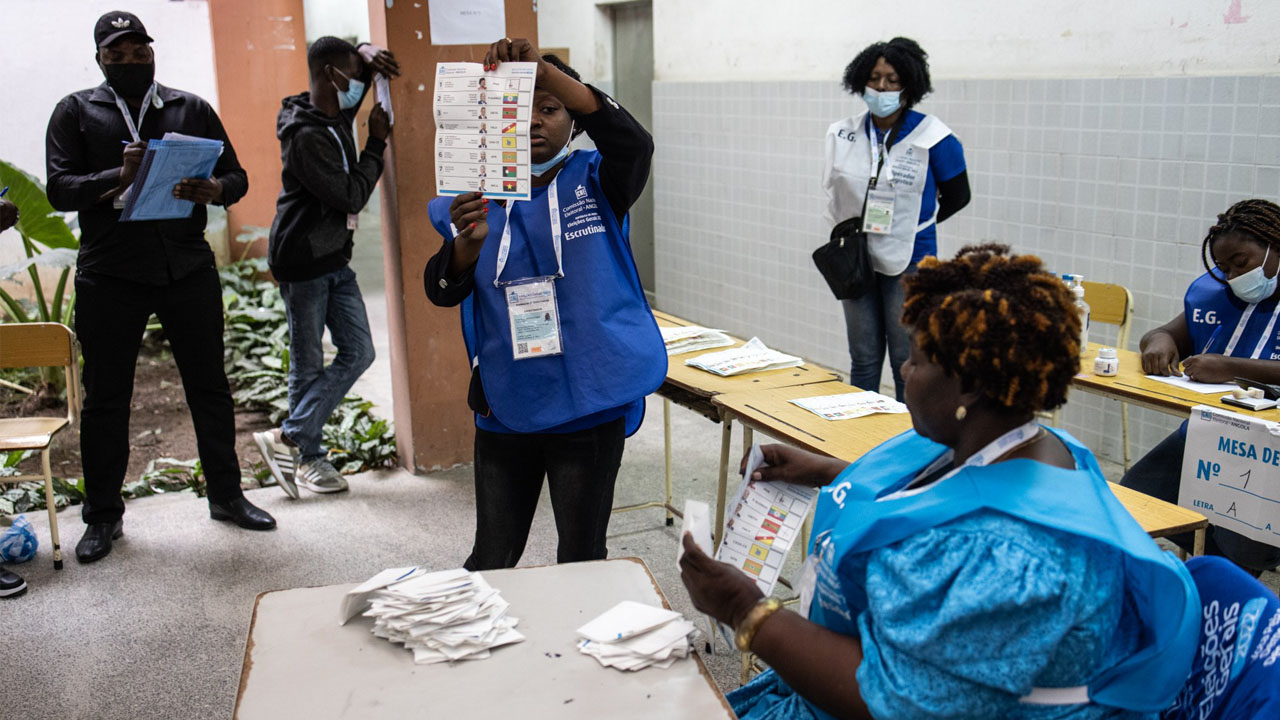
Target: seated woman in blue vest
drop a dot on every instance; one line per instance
(562, 344)
(977, 566)
(1244, 246)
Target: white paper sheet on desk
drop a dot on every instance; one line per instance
(754, 356)
(850, 405)
(693, 338)
(762, 525)
(357, 599)
(626, 619)
(1187, 383)
(383, 88)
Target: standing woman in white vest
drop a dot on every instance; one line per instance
(909, 169)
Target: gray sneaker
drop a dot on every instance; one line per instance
(319, 476)
(281, 459)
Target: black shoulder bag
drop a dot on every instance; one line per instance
(845, 259)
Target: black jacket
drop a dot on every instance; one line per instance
(84, 151)
(309, 236)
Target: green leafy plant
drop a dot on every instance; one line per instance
(47, 241)
(27, 496)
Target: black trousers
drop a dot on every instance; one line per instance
(581, 469)
(111, 316)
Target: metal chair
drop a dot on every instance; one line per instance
(40, 345)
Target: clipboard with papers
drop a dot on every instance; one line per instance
(167, 162)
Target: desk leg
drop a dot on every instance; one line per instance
(666, 444)
(1197, 547)
(748, 438)
(726, 438)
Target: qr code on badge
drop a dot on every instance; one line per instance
(522, 348)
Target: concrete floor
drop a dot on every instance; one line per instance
(158, 628)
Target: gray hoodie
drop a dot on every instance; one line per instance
(309, 236)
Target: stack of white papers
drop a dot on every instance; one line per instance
(634, 636)
(752, 357)
(442, 616)
(680, 340)
(850, 405)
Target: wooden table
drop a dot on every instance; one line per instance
(1133, 386)
(773, 412)
(693, 388)
(299, 663)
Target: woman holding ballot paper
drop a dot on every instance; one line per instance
(1244, 248)
(977, 566)
(561, 341)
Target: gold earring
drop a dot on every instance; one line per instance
(961, 412)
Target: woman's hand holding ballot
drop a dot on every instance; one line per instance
(717, 589)
(788, 464)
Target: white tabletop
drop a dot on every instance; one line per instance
(300, 663)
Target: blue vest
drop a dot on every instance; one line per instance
(849, 521)
(613, 353)
(1260, 334)
(1208, 304)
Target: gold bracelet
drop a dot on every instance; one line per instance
(746, 632)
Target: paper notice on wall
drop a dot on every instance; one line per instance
(1231, 472)
(763, 523)
(467, 22)
(482, 128)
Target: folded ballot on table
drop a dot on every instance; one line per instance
(634, 636)
(751, 357)
(680, 340)
(167, 162)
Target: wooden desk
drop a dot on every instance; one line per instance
(299, 663)
(693, 388)
(1132, 386)
(772, 412)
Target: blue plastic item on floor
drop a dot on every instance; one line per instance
(18, 542)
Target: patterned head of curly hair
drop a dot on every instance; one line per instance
(1256, 219)
(1000, 322)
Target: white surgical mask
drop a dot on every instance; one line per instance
(882, 104)
(351, 96)
(540, 169)
(1254, 286)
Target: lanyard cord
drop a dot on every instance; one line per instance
(504, 246)
(147, 99)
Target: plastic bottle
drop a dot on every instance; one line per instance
(1077, 289)
(1106, 364)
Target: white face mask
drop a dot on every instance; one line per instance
(882, 104)
(1254, 286)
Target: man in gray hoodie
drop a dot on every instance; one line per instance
(326, 184)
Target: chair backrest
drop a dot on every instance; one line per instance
(25, 345)
(1110, 304)
(1236, 672)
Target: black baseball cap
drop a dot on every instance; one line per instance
(115, 25)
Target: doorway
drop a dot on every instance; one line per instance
(633, 88)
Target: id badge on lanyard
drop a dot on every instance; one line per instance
(134, 130)
(877, 214)
(532, 309)
(353, 219)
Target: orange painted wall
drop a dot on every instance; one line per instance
(429, 367)
(260, 55)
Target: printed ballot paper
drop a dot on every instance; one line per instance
(167, 162)
(482, 128)
(847, 406)
(764, 522)
(443, 616)
(752, 357)
(634, 636)
(681, 340)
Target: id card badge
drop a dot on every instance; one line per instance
(353, 221)
(879, 214)
(535, 318)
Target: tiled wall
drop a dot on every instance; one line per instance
(1116, 179)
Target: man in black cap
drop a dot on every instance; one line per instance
(126, 271)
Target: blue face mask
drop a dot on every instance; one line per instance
(541, 168)
(882, 104)
(355, 91)
(1254, 286)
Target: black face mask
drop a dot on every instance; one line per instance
(130, 80)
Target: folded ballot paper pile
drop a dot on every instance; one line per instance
(680, 340)
(634, 636)
(441, 616)
(752, 357)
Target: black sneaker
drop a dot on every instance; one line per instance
(11, 584)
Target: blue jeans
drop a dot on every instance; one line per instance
(331, 301)
(872, 322)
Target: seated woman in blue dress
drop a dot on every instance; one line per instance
(977, 566)
(1243, 300)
